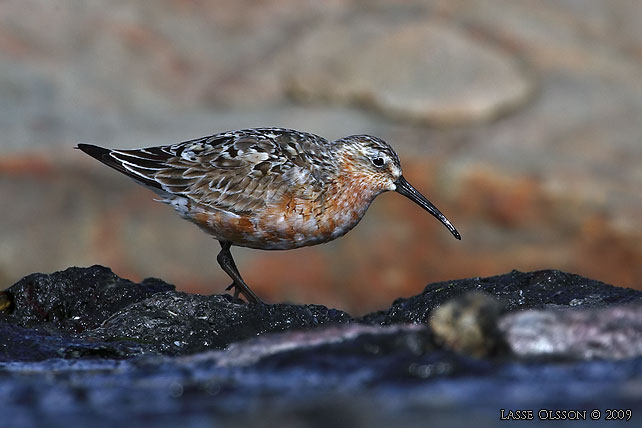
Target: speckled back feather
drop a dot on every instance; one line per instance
(235, 171)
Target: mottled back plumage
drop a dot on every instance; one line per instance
(235, 171)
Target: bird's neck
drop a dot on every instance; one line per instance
(352, 190)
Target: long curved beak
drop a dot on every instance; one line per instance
(411, 193)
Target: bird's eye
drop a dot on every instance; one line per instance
(378, 162)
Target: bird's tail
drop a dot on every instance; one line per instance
(140, 164)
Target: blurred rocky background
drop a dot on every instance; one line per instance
(520, 120)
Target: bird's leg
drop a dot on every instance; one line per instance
(233, 284)
(226, 261)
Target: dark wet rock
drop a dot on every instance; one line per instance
(33, 344)
(611, 332)
(92, 312)
(5, 301)
(516, 290)
(138, 354)
(355, 342)
(174, 323)
(74, 300)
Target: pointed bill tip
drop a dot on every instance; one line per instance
(406, 189)
(448, 225)
(456, 234)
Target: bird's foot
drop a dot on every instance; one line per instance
(245, 290)
(237, 290)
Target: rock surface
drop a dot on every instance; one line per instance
(347, 66)
(611, 332)
(101, 314)
(113, 317)
(516, 290)
(469, 324)
(85, 346)
(76, 299)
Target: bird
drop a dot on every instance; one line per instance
(268, 188)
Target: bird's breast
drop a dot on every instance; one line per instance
(289, 221)
(295, 222)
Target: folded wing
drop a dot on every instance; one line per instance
(237, 172)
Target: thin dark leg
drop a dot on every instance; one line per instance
(233, 285)
(226, 261)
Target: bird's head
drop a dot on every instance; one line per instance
(376, 166)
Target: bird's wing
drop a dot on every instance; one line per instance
(237, 171)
